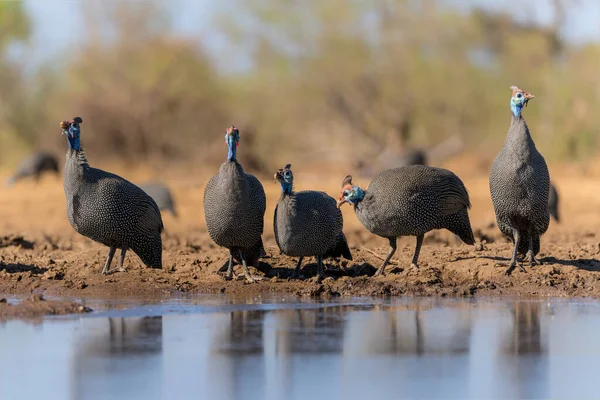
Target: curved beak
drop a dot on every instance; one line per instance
(340, 201)
(528, 96)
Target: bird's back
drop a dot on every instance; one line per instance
(411, 201)
(234, 207)
(111, 210)
(307, 223)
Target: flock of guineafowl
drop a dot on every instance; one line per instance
(406, 201)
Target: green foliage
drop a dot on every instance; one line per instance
(325, 78)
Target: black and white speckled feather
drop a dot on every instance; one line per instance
(234, 209)
(520, 186)
(411, 201)
(111, 210)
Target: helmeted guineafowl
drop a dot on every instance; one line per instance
(109, 209)
(308, 223)
(234, 208)
(520, 186)
(34, 166)
(553, 203)
(411, 201)
(161, 195)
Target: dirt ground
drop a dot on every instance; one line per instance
(41, 254)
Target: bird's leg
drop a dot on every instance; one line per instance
(249, 277)
(111, 253)
(417, 251)
(320, 272)
(381, 270)
(120, 267)
(297, 271)
(514, 262)
(229, 274)
(532, 260)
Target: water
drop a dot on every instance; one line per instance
(210, 348)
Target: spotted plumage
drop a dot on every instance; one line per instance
(109, 209)
(308, 223)
(520, 186)
(411, 201)
(34, 166)
(161, 195)
(234, 208)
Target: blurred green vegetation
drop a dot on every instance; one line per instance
(332, 81)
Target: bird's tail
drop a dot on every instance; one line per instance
(459, 224)
(339, 249)
(151, 252)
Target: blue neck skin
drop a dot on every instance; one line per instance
(231, 154)
(73, 141)
(359, 194)
(516, 108)
(286, 187)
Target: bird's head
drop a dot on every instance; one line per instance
(518, 100)
(350, 193)
(232, 140)
(285, 178)
(72, 130)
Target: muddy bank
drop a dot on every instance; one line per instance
(37, 306)
(446, 269)
(40, 252)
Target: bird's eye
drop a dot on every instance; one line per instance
(346, 193)
(519, 95)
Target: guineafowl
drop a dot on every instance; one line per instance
(411, 201)
(234, 208)
(109, 209)
(34, 166)
(520, 186)
(553, 203)
(161, 195)
(308, 223)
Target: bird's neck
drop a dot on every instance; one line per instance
(76, 160)
(286, 189)
(232, 153)
(518, 139)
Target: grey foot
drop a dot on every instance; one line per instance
(533, 261)
(229, 276)
(112, 271)
(511, 267)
